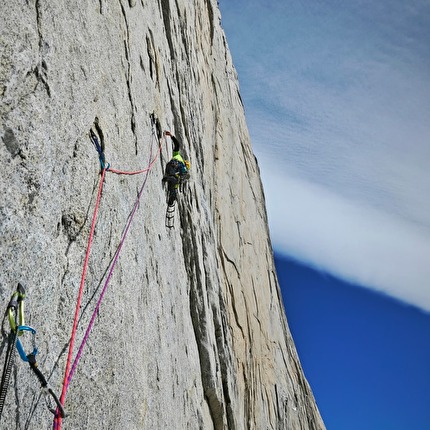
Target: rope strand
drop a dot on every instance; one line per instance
(137, 172)
(57, 419)
(71, 368)
(114, 262)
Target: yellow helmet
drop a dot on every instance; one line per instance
(187, 164)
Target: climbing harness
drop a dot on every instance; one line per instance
(71, 367)
(15, 311)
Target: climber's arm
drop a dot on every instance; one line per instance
(175, 144)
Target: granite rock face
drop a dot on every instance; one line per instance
(191, 333)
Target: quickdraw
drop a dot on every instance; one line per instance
(99, 150)
(15, 311)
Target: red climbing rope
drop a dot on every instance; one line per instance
(115, 260)
(137, 172)
(57, 419)
(70, 368)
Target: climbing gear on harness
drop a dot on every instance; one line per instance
(174, 167)
(15, 312)
(176, 176)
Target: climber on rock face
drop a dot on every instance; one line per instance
(176, 170)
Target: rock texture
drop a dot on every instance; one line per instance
(192, 332)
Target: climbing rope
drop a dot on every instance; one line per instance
(80, 292)
(107, 167)
(112, 267)
(71, 367)
(137, 172)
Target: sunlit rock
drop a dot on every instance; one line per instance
(191, 333)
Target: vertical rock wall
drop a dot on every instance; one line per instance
(191, 333)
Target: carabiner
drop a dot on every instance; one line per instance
(16, 304)
(58, 406)
(19, 346)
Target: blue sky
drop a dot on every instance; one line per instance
(337, 99)
(366, 356)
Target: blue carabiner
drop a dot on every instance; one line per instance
(19, 346)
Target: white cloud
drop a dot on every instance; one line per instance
(337, 98)
(354, 242)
